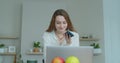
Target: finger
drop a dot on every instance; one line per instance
(66, 35)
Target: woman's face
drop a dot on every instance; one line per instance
(60, 24)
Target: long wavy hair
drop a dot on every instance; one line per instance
(63, 13)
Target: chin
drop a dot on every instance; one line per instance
(61, 31)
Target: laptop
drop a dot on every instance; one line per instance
(83, 53)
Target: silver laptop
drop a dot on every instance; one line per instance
(83, 53)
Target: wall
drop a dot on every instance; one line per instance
(10, 17)
(85, 14)
(112, 31)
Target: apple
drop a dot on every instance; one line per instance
(58, 59)
(72, 59)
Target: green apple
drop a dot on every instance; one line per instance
(72, 59)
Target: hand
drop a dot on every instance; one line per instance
(68, 39)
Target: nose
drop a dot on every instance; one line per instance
(61, 25)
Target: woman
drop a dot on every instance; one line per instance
(56, 34)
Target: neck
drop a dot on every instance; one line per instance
(59, 35)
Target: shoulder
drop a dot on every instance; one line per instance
(47, 33)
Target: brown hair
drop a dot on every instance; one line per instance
(65, 15)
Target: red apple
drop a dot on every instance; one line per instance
(58, 60)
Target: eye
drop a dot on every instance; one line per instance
(64, 22)
(58, 22)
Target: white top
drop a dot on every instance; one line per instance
(50, 39)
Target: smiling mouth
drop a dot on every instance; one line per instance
(61, 28)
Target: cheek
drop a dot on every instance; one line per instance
(66, 25)
(56, 25)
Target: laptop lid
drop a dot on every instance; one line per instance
(83, 53)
